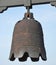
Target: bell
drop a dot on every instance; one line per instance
(27, 40)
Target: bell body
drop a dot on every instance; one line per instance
(27, 38)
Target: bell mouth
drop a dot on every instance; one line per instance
(24, 57)
(34, 59)
(12, 58)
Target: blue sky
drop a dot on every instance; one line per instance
(46, 15)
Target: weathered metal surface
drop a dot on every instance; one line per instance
(27, 40)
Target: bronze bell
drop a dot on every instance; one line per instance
(27, 40)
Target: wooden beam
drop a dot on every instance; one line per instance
(13, 3)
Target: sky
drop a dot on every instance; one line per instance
(46, 15)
